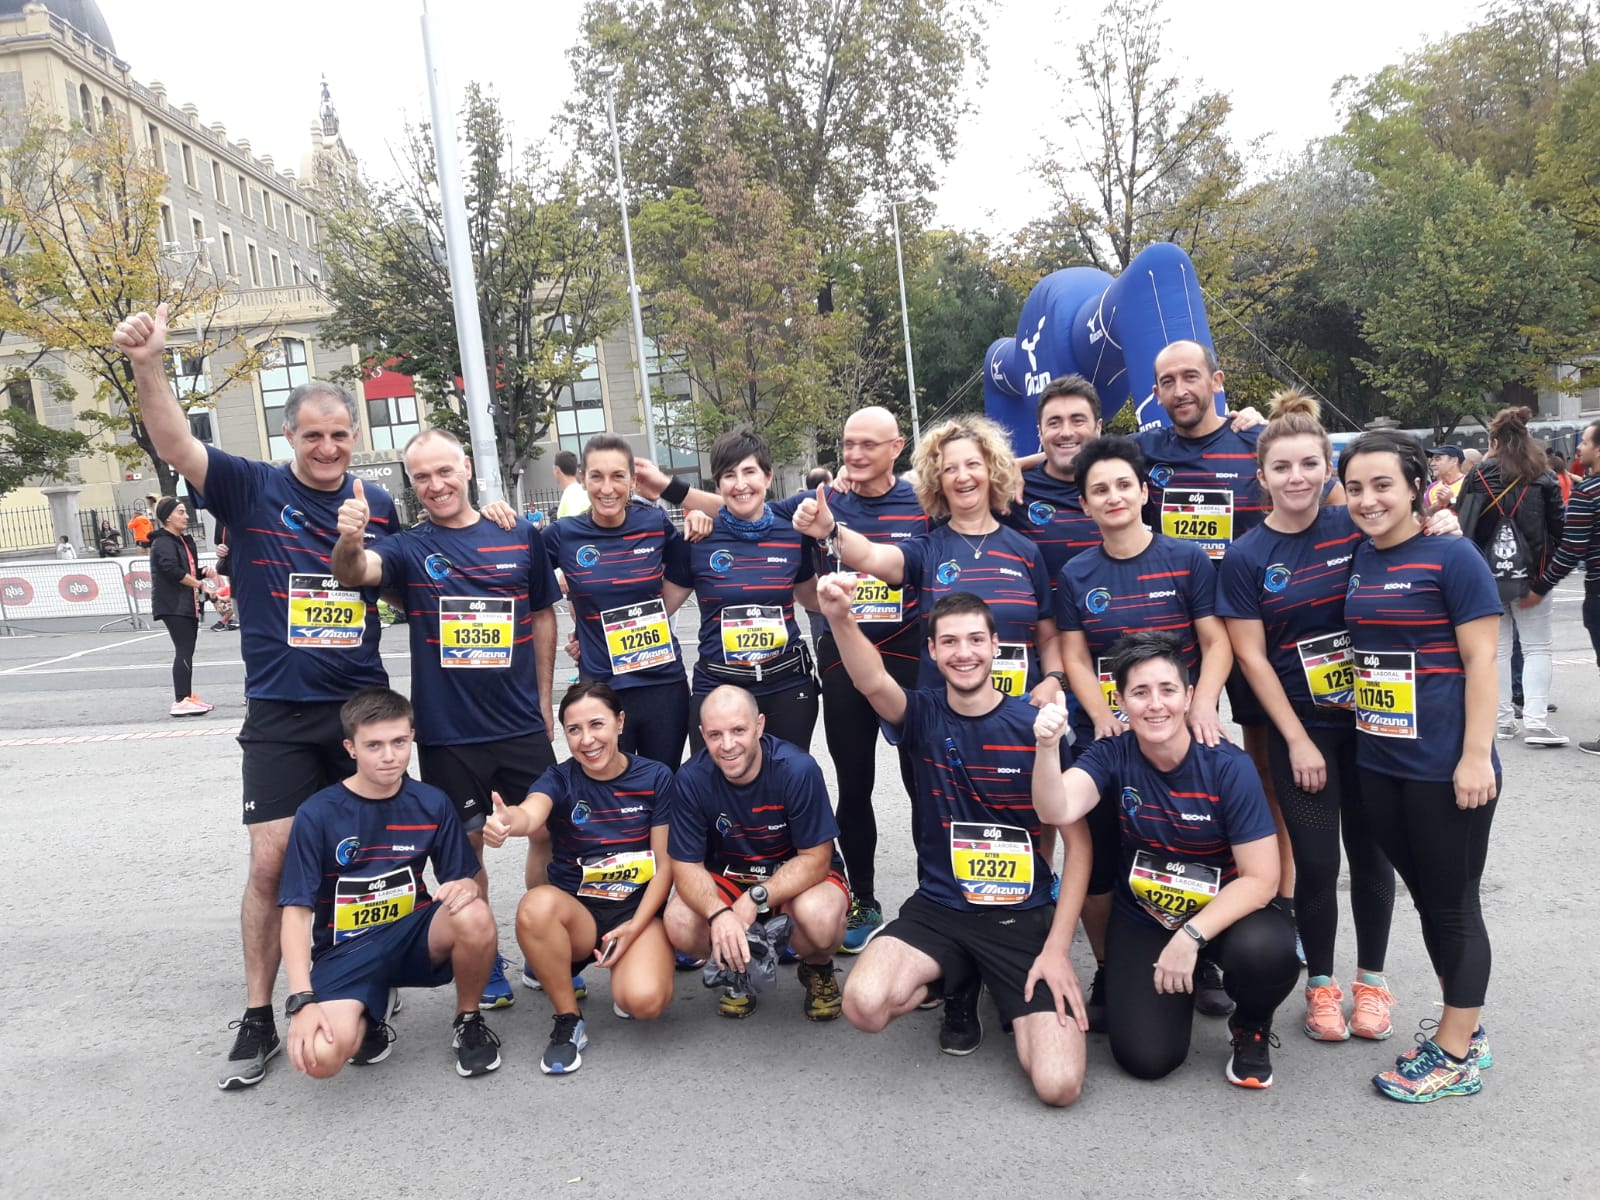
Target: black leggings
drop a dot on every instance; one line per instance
(1314, 821)
(657, 721)
(791, 714)
(1439, 850)
(182, 631)
(1149, 1030)
(851, 729)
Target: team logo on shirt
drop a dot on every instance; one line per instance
(1355, 582)
(437, 566)
(948, 572)
(721, 561)
(1161, 475)
(724, 826)
(1041, 513)
(1277, 578)
(1098, 600)
(345, 853)
(581, 813)
(292, 518)
(587, 556)
(1131, 800)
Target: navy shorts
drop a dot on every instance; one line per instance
(469, 772)
(391, 956)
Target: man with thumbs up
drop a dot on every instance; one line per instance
(307, 642)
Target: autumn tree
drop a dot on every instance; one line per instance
(32, 450)
(545, 267)
(90, 251)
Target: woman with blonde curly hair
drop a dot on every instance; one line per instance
(964, 474)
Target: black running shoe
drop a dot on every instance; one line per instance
(568, 1041)
(962, 1030)
(1210, 998)
(1251, 1064)
(380, 1037)
(1096, 1005)
(477, 1048)
(256, 1042)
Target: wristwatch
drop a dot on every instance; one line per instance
(1059, 676)
(1200, 939)
(297, 1001)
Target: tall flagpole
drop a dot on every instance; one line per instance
(905, 323)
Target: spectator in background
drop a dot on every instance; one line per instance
(1564, 477)
(574, 499)
(141, 526)
(1445, 464)
(1471, 458)
(816, 477)
(176, 579)
(65, 548)
(110, 540)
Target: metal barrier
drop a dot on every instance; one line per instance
(43, 591)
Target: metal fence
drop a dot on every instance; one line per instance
(26, 529)
(33, 529)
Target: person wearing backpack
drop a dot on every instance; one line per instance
(1511, 508)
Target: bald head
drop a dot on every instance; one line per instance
(872, 442)
(730, 698)
(731, 727)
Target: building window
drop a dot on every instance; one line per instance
(255, 263)
(85, 107)
(316, 280)
(294, 270)
(277, 270)
(672, 405)
(580, 410)
(311, 230)
(283, 370)
(392, 421)
(227, 253)
(217, 184)
(187, 367)
(288, 221)
(19, 394)
(156, 153)
(105, 112)
(188, 167)
(202, 251)
(169, 232)
(244, 196)
(266, 208)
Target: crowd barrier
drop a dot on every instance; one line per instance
(116, 589)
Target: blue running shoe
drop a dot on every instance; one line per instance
(497, 992)
(1429, 1074)
(683, 962)
(864, 921)
(787, 957)
(580, 989)
(568, 1041)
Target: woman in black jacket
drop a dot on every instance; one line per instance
(1511, 507)
(176, 578)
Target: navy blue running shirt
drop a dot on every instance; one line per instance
(614, 580)
(304, 638)
(1203, 490)
(1295, 585)
(745, 833)
(1193, 814)
(978, 834)
(1006, 571)
(1402, 610)
(357, 863)
(1051, 515)
(600, 829)
(745, 590)
(470, 595)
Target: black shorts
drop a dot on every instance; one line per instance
(469, 772)
(1242, 702)
(607, 914)
(291, 751)
(1000, 946)
(391, 956)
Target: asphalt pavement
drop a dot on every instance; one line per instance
(122, 971)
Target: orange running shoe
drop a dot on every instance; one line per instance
(1324, 1014)
(1373, 1000)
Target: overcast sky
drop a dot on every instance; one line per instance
(257, 68)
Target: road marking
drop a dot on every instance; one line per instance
(137, 736)
(154, 666)
(26, 667)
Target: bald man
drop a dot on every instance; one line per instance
(752, 810)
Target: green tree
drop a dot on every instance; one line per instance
(1568, 175)
(544, 262)
(1463, 289)
(31, 450)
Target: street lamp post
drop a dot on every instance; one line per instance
(633, 283)
(905, 324)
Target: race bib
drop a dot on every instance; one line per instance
(876, 601)
(638, 636)
(1386, 693)
(1108, 687)
(363, 904)
(475, 632)
(1330, 674)
(323, 614)
(753, 633)
(1204, 517)
(1010, 671)
(1172, 891)
(616, 876)
(993, 864)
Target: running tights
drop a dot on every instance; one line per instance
(182, 631)
(1315, 821)
(657, 721)
(1439, 850)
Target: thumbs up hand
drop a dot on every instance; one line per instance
(812, 517)
(354, 513)
(1050, 723)
(500, 824)
(143, 336)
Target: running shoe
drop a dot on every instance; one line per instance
(823, 1001)
(256, 1043)
(735, 1005)
(1477, 1049)
(1429, 1074)
(580, 989)
(219, 627)
(962, 1030)
(1505, 731)
(568, 1041)
(1324, 1010)
(1096, 1004)
(1211, 999)
(1251, 1064)
(476, 1046)
(380, 1036)
(1373, 1003)
(622, 1013)
(787, 957)
(1543, 735)
(682, 962)
(1590, 747)
(497, 992)
(189, 707)
(864, 921)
